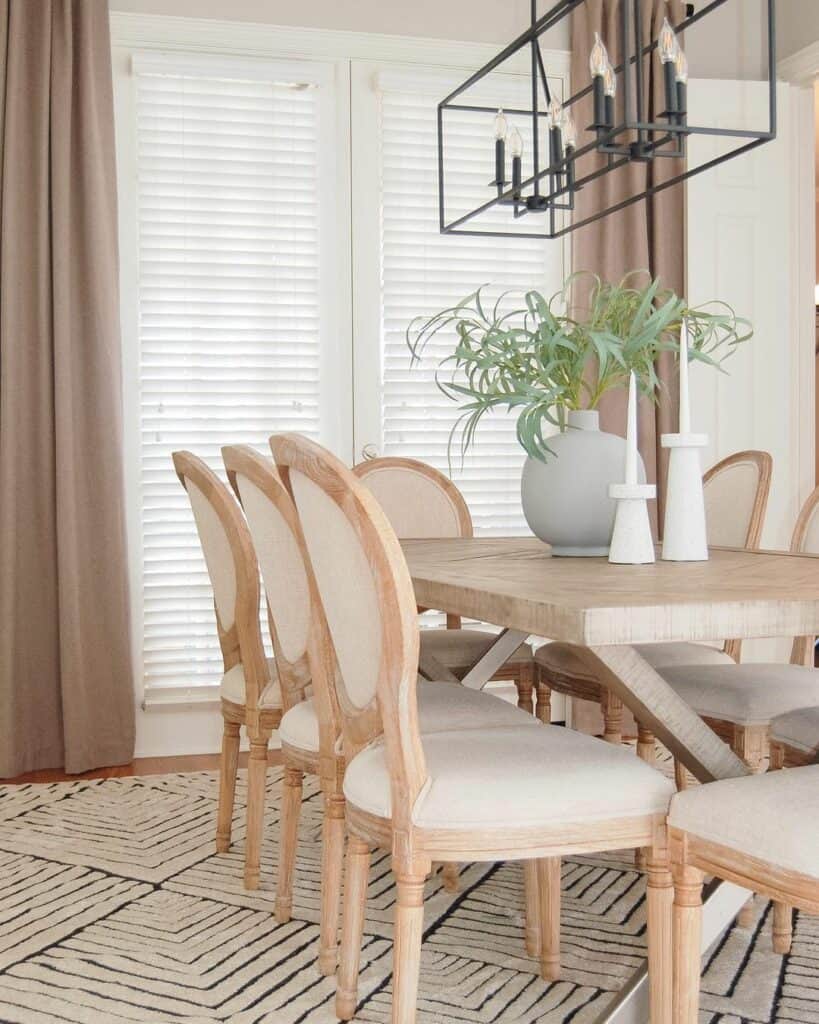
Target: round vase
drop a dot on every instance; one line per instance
(566, 498)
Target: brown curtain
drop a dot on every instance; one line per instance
(66, 690)
(649, 235)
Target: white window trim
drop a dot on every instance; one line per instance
(356, 56)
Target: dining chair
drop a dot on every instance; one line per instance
(736, 496)
(250, 694)
(794, 738)
(420, 501)
(309, 728)
(507, 793)
(760, 832)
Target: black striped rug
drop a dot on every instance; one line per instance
(114, 908)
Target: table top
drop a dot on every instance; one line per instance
(516, 583)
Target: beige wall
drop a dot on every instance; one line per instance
(481, 21)
(797, 25)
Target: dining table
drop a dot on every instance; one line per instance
(605, 609)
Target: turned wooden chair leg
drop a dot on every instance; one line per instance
(356, 878)
(782, 928)
(332, 868)
(228, 764)
(531, 894)
(409, 928)
(451, 876)
(680, 775)
(544, 702)
(548, 877)
(687, 944)
(751, 744)
(612, 709)
(525, 684)
(659, 901)
(646, 747)
(256, 780)
(288, 841)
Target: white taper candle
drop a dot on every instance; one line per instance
(631, 431)
(685, 407)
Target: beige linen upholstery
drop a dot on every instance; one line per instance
(413, 501)
(540, 776)
(799, 729)
(730, 498)
(773, 817)
(563, 658)
(744, 694)
(218, 555)
(456, 647)
(232, 687)
(442, 707)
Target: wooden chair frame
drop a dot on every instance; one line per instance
(588, 688)
(295, 676)
(522, 675)
(692, 858)
(392, 714)
(241, 643)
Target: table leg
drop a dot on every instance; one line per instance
(494, 658)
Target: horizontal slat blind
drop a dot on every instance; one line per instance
(424, 272)
(229, 284)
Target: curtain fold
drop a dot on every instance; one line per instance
(649, 235)
(66, 686)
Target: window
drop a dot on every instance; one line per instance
(235, 249)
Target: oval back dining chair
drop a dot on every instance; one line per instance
(421, 502)
(517, 792)
(736, 495)
(306, 662)
(250, 695)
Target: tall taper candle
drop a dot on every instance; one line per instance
(631, 431)
(685, 407)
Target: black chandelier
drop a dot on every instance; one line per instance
(620, 132)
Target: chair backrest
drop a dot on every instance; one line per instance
(736, 496)
(418, 499)
(368, 600)
(274, 528)
(232, 568)
(805, 541)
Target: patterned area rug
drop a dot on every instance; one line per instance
(114, 907)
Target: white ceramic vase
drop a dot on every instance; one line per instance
(566, 498)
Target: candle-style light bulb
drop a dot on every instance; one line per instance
(685, 407)
(598, 58)
(631, 431)
(555, 113)
(610, 82)
(515, 140)
(681, 67)
(668, 45)
(681, 74)
(569, 129)
(499, 126)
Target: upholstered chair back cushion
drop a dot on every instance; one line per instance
(729, 504)
(218, 554)
(282, 566)
(806, 538)
(417, 499)
(346, 587)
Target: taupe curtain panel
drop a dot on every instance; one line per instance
(66, 693)
(647, 235)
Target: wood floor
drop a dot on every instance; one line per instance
(140, 766)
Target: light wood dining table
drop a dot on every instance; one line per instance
(604, 609)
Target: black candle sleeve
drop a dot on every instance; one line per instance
(609, 116)
(570, 168)
(500, 163)
(682, 98)
(599, 102)
(516, 175)
(555, 146)
(670, 87)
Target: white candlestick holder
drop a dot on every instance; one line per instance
(685, 537)
(631, 540)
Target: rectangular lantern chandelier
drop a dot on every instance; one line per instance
(621, 131)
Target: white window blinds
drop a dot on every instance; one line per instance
(424, 272)
(230, 296)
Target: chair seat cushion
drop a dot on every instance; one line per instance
(511, 777)
(232, 687)
(563, 659)
(745, 694)
(774, 817)
(798, 729)
(459, 648)
(441, 707)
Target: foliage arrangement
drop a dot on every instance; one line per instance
(548, 357)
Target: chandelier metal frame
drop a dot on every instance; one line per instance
(632, 138)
